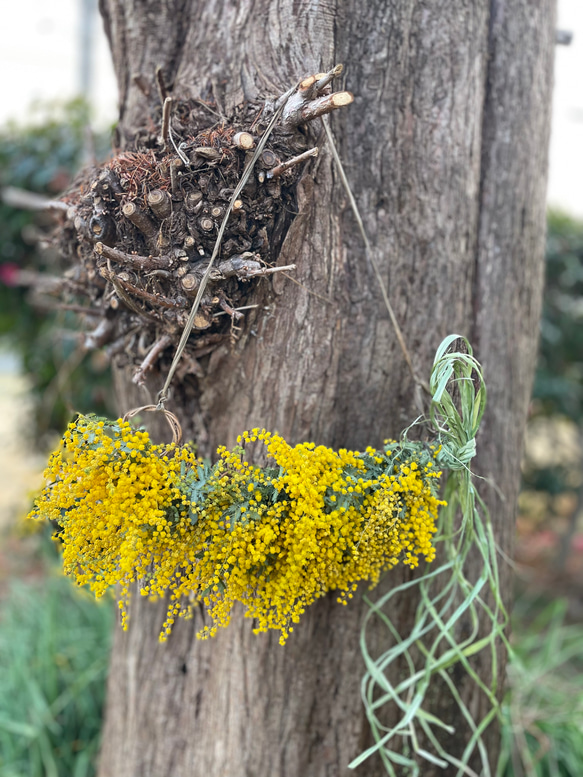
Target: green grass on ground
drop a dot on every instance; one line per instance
(542, 734)
(54, 649)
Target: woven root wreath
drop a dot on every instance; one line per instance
(167, 216)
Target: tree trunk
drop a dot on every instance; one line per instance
(445, 147)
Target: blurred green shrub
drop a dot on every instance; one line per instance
(558, 387)
(43, 157)
(542, 732)
(54, 650)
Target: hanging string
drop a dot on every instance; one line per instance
(370, 256)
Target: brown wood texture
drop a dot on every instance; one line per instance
(445, 147)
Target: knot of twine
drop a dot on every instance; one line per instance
(172, 420)
(453, 456)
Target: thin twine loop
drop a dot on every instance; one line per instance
(172, 420)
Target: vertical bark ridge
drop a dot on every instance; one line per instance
(144, 34)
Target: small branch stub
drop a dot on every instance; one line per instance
(193, 201)
(153, 355)
(100, 336)
(102, 228)
(243, 140)
(301, 111)
(202, 320)
(161, 84)
(325, 78)
(175, 166)
(160, 203)
(139, 219)
(268, 159)
(312, 86)
(268, 271)
(296, 160)
(324, 105)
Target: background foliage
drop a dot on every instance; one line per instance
(43, 158)
(54, 650)
(543, 726)
(558, 387)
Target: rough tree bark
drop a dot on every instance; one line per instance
(446, 150)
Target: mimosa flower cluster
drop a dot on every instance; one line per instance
(273, 538)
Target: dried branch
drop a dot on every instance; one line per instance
(235, 314)
(268, 271)
(244, 307)
(318, 107)
(21, 198)
(296, 160)
(324, 80)
(142, 263)
(160, 345)
(165, 133)
(139, 219)
(101, 335)
(240, 265)
(175, 164)
(160, 203)
(157, 300)
(161, 84)
(43, 284)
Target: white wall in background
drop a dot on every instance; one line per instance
(40, 58)
(566, 155)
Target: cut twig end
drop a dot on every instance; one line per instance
(308, 103)
(244, 140)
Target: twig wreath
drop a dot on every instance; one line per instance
(313, 520)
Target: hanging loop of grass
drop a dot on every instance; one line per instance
(463, 589)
